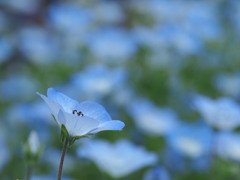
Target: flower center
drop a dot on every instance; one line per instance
(77, 113)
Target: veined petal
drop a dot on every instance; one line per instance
(94, 111)
(67, 103)
(54, 107)
(78, 125)
(109, 125)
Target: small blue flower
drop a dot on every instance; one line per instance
(228, 145)
(151, 119)
(157, 173)
(191, 140)
(222, 113)
(118, 159)
(79, 119)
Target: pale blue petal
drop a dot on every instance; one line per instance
(94, 111)
(114, 125)
(64, 101)
(54, 107)
(61, 118)
(79, 125)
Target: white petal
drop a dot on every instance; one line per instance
(54, 107)
(66, 102)
(94, 111)
(61, 118)
(79, 125)
(109, 125)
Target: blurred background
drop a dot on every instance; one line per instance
(169, 69)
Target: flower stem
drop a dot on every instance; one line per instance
(29, 172)
(65, 147)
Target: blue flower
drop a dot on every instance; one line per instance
(228, 84)
(157, 173)
(222, 113)
(119, 159)
(228, 145)
(123, 45)
(107, 80)
(151, 119)
(191, 140)
(79, 119)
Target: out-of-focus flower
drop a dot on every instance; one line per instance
(222, 113)
(228, 84)
(119, 159)
(124, 95)
(187, 16)
(25, 85)
(228, 145)
(112, 45)
(191, 140)
(234, 12)
(33, 142)
(107, 80)
(69, 18)
(166, 37)
(176, 161)
(38, 45)
(79, 119)
(202, 20)
(73, 24)
(157, 173)
(102, 11)
(30, 113)
(25, 6)
(6, 48)
(151, 119)
(4, 21)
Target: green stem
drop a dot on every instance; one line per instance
(65, 147)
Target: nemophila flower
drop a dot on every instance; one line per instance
(152, 119)
(123, 45)
(119, 159)
(157, 173)
(22, 6)
(38, 45)
(24, 84)
(228, 84)
(79, 119)
(107, 80)
(6, 47)
(228, 145)
(177, 162)
(222, 113)
(191, 140)
(69, 18)
(102, 10)
(25, 113)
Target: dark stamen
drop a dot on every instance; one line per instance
(74, 111)
(78, 113)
